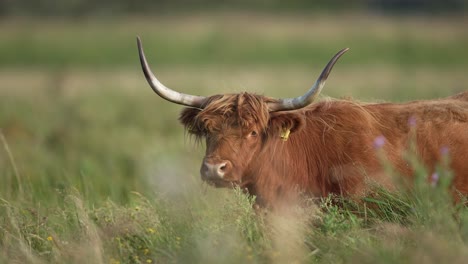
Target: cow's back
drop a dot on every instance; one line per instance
(463, 96)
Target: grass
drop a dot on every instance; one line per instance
(96, 169)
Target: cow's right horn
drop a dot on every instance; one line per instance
(306, 99)
(162, 90)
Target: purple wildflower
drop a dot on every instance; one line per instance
(379, 142)
(434, 179)
(412, 121)
(444, 151)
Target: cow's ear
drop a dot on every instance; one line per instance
(283, 121)
(188, 118)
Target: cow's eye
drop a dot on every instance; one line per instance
(253, 133)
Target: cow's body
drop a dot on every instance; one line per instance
(334, 146)
(336, 151)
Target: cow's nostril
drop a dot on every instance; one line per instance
(222, 167)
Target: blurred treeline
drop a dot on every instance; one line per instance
(78, 8)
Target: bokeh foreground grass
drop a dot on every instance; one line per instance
(95, 168)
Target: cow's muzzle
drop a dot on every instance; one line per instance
(215, 171)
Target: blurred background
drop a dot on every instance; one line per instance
(76, 111)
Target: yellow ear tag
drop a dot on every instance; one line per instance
(285, 134)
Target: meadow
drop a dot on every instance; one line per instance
(96, 168)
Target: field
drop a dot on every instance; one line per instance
(96, 168)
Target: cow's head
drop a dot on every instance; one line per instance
(236, 126)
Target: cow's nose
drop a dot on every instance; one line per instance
(214, 170)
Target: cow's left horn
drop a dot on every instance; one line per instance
(311, 95)
(163, 91)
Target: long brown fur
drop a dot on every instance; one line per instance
(331, 148)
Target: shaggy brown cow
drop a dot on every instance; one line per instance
(332, 146)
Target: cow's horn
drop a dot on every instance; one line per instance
(311, 95)
(162, 90)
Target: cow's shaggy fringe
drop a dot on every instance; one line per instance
(221, 111)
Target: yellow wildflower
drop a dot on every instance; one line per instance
(114, 261)
(149, 261)
(49, 238)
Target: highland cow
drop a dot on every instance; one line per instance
(277, 149)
